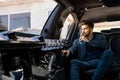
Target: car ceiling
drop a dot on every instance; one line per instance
(94, 3)
(95, 10)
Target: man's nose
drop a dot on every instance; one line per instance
(83, 31)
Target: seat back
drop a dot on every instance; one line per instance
(114, 30)
(115, 47)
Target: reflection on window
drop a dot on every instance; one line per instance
(67, 24)
(3, 22)
(106, 26)
(19, 20)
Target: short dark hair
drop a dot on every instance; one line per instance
(87, 22)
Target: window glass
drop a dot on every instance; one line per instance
(106, 26)
(40, 14)
(66, 26)
(19, 20)
(3, 22)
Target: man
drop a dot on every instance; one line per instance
(92, 51)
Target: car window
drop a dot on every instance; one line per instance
(66, 26)
(106, 26)
(41, 14)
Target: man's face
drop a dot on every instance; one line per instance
(86, 30)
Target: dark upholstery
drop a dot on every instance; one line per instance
(111, 35)
(105, 31)
(115, 47)
(115, 30)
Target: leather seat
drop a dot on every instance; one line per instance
(115, 47)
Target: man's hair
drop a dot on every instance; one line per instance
(87, 22)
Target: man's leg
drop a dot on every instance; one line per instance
(78, 66)
(103, 65)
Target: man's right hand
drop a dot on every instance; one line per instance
(65, 52)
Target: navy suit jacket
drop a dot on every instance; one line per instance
(98, 42)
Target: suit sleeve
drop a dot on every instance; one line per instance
(74, 46)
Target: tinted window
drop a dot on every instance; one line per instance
(3, 22)
(19, 20)
(66, 26)
(106, 26)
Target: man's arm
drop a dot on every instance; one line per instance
(74, 46)
(72, 49)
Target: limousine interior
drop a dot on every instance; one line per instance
(39, 57)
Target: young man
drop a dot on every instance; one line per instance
(92, 51)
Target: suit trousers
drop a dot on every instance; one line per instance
(100, 65)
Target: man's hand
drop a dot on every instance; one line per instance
(83, 38)
(65, 52)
